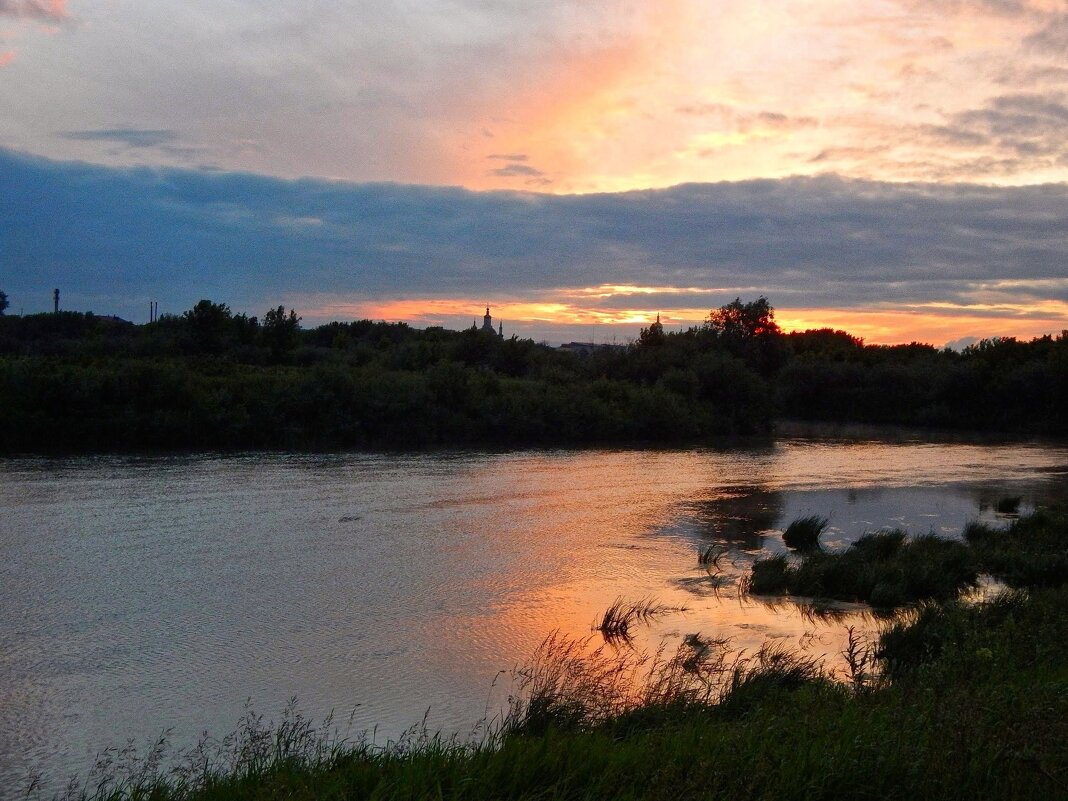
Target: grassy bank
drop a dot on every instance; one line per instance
(954, 701)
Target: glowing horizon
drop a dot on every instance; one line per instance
(935, 324)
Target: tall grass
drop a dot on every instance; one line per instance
(962, 702)
(571, 685)
(967, 702)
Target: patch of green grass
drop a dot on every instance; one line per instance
(803, 534)
(884, 569)
(1031, 552)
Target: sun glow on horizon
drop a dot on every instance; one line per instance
(936, 323)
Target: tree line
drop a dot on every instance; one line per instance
(213, 379)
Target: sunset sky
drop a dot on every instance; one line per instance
(897, 168)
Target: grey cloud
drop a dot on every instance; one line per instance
(1012, 127)
(130, 137)
(162, 141)
(954, 136)
(962, 343)
(774, 119)
(705, 109)
(52, 10)
(1031, 75)
(1051, 38)
(1010, 8)
(179, 235)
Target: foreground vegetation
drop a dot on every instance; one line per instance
(211, 379)
(954, 701)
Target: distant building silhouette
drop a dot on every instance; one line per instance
(487, 325)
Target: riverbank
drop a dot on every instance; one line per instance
(954, 701)
(73, 383)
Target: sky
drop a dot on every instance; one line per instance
(897, 168)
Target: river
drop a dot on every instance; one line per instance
(142, 595)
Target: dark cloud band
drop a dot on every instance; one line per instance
(123, 235)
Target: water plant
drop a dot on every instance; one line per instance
(804, 532)
(711, 557)
(617, 619)
(1009, 505)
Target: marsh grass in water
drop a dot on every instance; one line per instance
(885, 569)
(1032, 551)
(803, 534)
(1009, 505)
(617, 620)
(711, 557)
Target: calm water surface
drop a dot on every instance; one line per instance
(139, 595)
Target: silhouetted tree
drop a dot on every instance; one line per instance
(744, 321)
(280, 330)
(825, 343)
(207, 324)
(749, 330)
(3, 302)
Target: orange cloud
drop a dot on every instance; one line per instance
(729, 91)
(54, 10)
(6, 58)
(560, 118)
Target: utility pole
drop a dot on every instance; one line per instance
(55, 300)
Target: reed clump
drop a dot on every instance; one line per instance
(711, 557)
(887, 569)
(1009, 505)
(803, 534)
